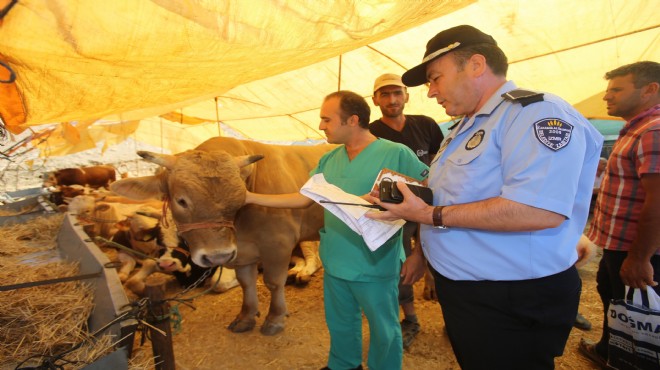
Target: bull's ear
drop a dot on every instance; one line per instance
(139, 188)
(165, 160)
(244, 162)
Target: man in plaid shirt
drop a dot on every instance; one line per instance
(626, 221)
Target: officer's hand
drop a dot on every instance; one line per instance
(410, 209)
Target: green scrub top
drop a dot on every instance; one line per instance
(343, 252)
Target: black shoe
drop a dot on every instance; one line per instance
(582, 323)
(588, 349)
(356, 368)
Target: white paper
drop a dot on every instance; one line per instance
(374, 232)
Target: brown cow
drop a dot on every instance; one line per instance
(93, 176)
(206, 189)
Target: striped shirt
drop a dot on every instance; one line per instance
(621, 196)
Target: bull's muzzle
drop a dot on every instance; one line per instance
(214, 258)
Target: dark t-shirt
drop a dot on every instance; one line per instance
(421, 134)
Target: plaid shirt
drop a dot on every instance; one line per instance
(621, 196)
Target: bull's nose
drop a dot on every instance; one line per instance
(217, 259)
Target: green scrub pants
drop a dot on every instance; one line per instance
(344, 302)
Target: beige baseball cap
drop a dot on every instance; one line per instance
(388, 79)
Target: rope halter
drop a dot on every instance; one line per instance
(182, 228)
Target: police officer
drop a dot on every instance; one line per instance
(512, 185)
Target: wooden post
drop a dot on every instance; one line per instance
(162, 346)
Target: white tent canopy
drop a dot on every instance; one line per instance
(261, 68)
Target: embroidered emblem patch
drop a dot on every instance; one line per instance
(553, 132)
(475, 140)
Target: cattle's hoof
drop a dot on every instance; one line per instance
(291, 279)
(241, 326)
(303, 280)
(298, 279)
(271, 328)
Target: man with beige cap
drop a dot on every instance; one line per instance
(421, 134)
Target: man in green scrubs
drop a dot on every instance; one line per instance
(356, 279)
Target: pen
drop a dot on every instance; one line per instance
(353, 204)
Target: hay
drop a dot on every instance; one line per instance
(44, 320)
(142, 359)
(40, 234)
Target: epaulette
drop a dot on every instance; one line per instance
(524, 97)
(454, 125)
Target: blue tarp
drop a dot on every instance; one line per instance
(609, 128)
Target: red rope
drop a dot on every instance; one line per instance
(182, 228)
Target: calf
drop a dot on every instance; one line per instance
(93, 176)
(164, 251)
(62, 194)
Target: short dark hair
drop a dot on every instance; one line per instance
(495, 57)
(350, 104)
(643, 73)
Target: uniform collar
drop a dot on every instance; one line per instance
(487, 109)
(496, 99)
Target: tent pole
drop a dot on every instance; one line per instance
(162, 147)
(339, 74)
(217, 116)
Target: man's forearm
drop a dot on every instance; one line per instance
(291, 200)
(647, 242)
(499, 214)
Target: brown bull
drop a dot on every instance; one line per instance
(206, 189)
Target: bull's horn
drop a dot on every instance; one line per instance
(165, 160)
(245, 160)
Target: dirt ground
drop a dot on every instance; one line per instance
(204, 342)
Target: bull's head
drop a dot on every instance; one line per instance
(204, 191)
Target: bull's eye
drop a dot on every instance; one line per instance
(182, 202)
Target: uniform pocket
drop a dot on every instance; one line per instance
(464, 157)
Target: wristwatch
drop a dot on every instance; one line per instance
(437, 218)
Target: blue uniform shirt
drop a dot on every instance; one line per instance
(543, 155)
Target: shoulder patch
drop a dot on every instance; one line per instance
(524, 97)
(554, 133)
